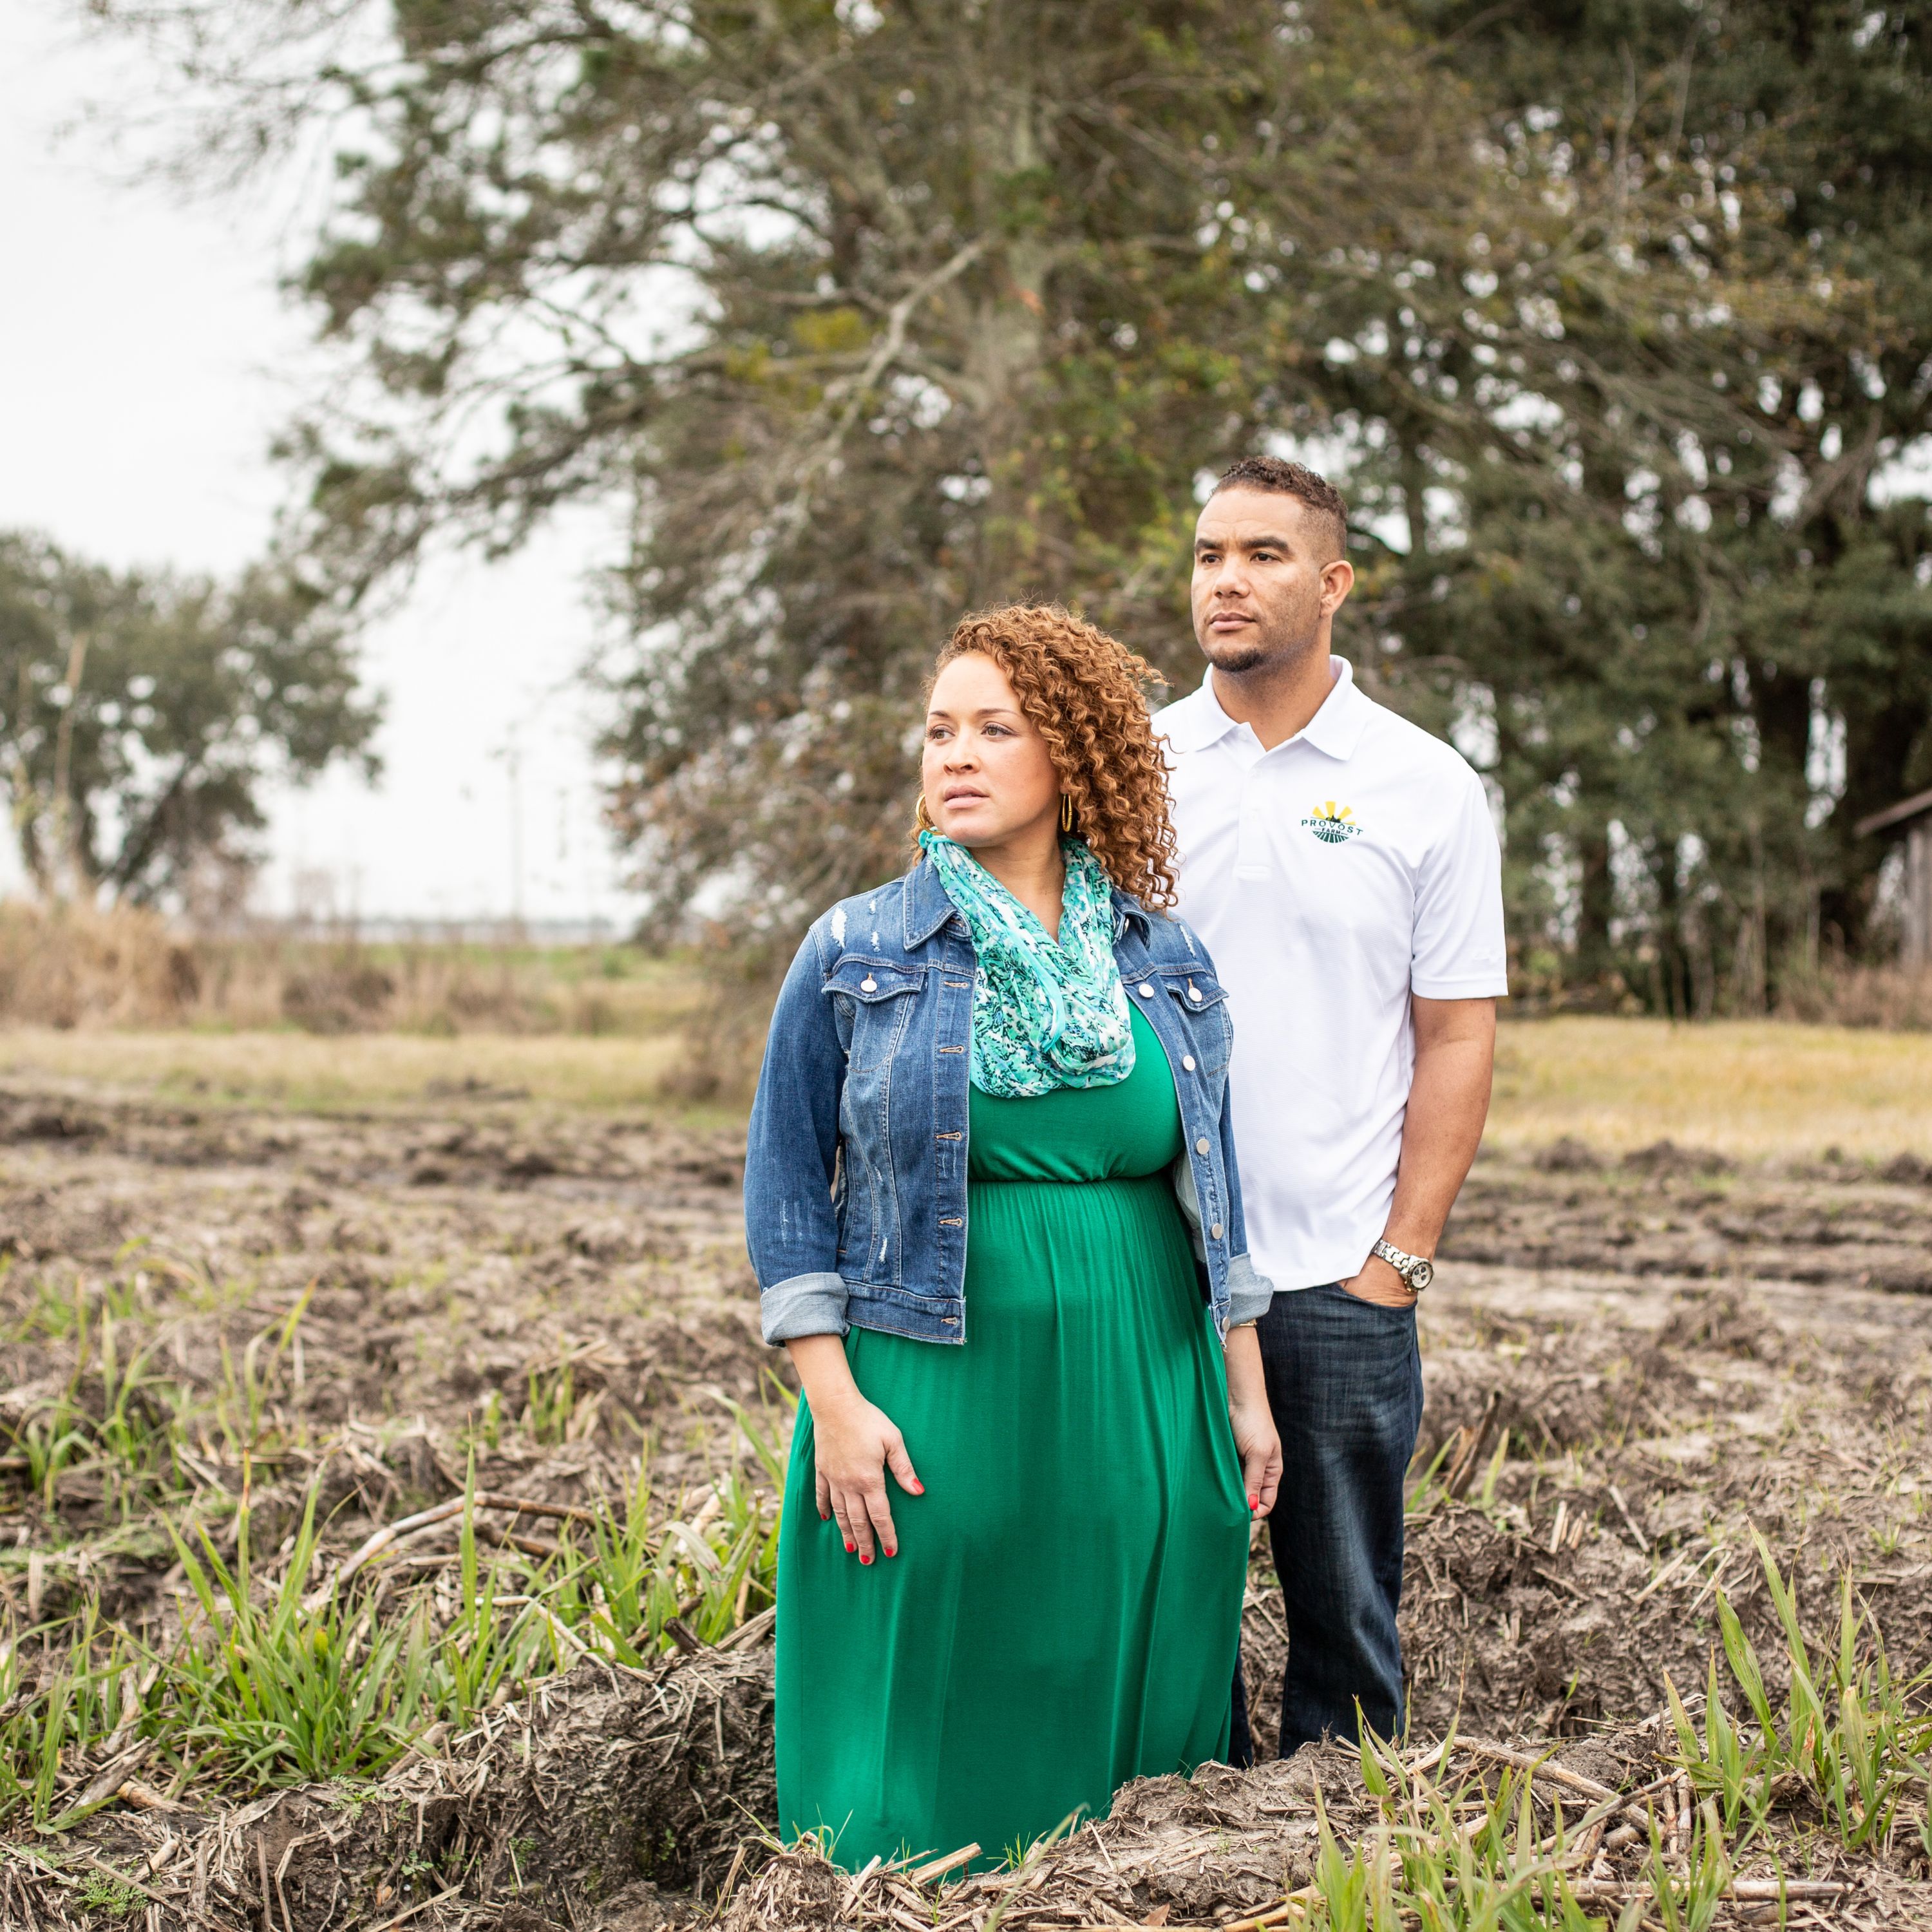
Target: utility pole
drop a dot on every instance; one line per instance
(512, 757)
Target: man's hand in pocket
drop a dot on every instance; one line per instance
(1379, 1283)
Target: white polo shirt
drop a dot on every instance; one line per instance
(1353, 864)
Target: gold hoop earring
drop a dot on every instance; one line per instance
(922, 819)
(1066, 812)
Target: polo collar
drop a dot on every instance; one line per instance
(1196, 721)
(928, 908)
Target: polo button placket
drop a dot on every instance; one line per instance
(1251, 853)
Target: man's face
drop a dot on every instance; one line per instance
(1266, 574)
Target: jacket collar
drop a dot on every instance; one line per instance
(928, 908)
(1193, 723)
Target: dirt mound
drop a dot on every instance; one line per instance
(1189, 1850)
(589, 1803)
(1666, 1156)
(1568, 1156)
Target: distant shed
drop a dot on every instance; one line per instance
(1914, 815)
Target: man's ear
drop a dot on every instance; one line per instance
(1338, 579)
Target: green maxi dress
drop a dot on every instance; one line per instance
(1063, 1611)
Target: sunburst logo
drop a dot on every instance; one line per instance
(1332, 825)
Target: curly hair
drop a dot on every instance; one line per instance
(1084, 692)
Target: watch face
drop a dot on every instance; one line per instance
(1421, 1275)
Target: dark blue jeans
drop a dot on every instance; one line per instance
(1344, 1382)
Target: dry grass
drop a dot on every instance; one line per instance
(1750, 1090)
(1860, 996)
(75, 968)
(116, 997)
(303, 1070)
(1747, 1088)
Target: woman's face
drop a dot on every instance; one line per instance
(986, 773)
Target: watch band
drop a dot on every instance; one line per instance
(1417, 1271)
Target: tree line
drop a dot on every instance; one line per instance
(1610, 316)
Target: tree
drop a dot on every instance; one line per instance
(140, 714)
(1707, 652)
(875, 312)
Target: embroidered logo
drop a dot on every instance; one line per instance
(1331, 827)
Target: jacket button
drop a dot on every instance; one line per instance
(869, 985)
(1200, 1145)
(1187, 1062)
(1215, 1232)
(1193, 991)
(1145, 989)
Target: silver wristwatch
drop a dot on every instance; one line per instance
(1418, 1270)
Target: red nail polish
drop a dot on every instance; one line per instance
(851, 1548)
(865, 1559)
(918, 1488)
(1254, 1502)
(892, 1552)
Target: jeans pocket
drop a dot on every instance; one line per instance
(1406, 1311)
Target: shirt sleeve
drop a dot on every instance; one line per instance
(1458, 951)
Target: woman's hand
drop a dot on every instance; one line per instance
(853, 1444)
(1256, 1437)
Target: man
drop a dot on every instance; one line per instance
(1343, 867)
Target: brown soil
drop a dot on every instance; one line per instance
(1676, 1356)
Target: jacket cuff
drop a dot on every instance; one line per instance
(806, 1304)
(1248, 1293)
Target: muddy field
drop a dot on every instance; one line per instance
(1633, 1366)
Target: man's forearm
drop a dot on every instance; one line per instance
(1448, 1102)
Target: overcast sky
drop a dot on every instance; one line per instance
(146, 359)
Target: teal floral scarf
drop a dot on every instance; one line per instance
(1046, 1013)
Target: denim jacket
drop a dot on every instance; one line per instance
(855, 1176)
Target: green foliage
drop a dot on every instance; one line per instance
(118, 1897)
(1683, 606)
(1849, 1740)
(1454, 1856)
(265, 1689)
(283, 1679)
(111, 1415)
(140, 713)
(83, 1700)
(550, 1403)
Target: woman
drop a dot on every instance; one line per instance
(994, 1104)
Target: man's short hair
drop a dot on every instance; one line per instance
(1291, 479)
